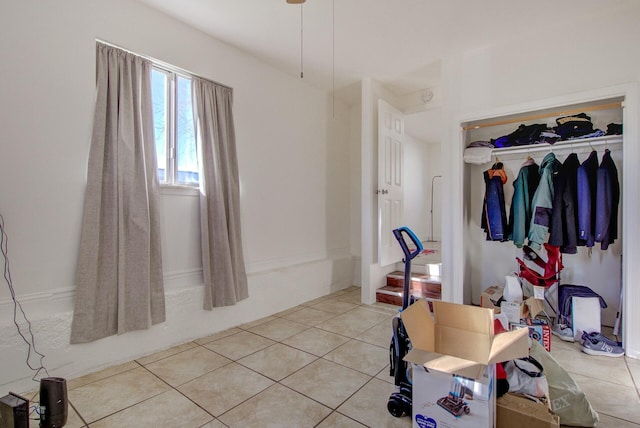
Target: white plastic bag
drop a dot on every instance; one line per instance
(526, 376)
(512, 289)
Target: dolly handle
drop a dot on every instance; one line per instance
(399, 234)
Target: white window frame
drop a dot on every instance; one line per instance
(171, 128)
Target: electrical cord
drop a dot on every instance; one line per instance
(16, 305)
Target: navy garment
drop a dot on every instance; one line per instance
(566, 292)
(494, 218)
(587, 180)
(607, 200)
(563, 231)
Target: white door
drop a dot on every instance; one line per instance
(390, 181)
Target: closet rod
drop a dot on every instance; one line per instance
(570, 144)
(544, 115)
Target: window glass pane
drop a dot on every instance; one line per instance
(159, 82)
(187, 158)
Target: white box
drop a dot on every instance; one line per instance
(446, 400)
(585, 315)
(456, 342)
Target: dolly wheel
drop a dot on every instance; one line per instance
(395, 408)
(467, 410)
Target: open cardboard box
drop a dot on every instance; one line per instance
(516, 411)
(527, 309)
(455, 351)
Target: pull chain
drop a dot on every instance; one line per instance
(301, 42)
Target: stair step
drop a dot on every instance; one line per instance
(417, 279)
(392, 294)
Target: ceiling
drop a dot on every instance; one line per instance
(400, 43)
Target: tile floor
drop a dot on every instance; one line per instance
(321, 364)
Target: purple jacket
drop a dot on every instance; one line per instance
(587, 180)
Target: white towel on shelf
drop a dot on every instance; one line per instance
(477, 155)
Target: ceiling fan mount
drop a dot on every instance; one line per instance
(296, 1)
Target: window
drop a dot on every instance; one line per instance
(174, 128)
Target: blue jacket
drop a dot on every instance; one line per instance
(494, 218)
(543, 202)
(607, 200)
(587, 182)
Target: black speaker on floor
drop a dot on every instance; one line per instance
(53, 402)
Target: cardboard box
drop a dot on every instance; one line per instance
(539, 331)
(455, 350)
(516, 411)
(491, 298)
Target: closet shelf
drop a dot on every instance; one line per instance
(607, 140)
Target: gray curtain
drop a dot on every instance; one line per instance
(119, 283)
(225, 278)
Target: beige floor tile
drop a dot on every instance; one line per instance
(610, 398)
(166, 353)
(214, 424)
(277, 361)
(102, 374)
(216, 336)
(379, 335)
(169, 409)
(351, 324)
(225, 388)
(278, 329)
(369, 406)
(188, 365)
(385, 376)
(360, 356)
(383, 307)
(315, 341)
(309, 316)
(289, 311)
(334, 306)
(354, 297)
(610, 422)
(99, 399)
(609, 369)
(250, 325)
(326, 382)
(337, 420)
(634, 368)
(239, 345)
(314, 301)
(277, 406)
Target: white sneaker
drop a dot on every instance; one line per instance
(563, 332)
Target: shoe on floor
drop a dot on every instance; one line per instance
(597, 344)
(599, 336)
(563, 332)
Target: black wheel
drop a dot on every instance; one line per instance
(395, 407)
(467, 410)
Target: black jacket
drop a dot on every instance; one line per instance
(563, 232)
(607, 200)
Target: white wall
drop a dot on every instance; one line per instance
(421, 164)
(294, 170)
(590, 55)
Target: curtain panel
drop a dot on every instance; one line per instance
(225, 277)
(119, 282)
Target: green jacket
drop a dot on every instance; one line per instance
(543, 202)
(521, 208)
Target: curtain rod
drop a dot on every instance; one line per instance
(166, 65)
(544, 115)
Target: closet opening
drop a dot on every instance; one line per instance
(531, 139)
